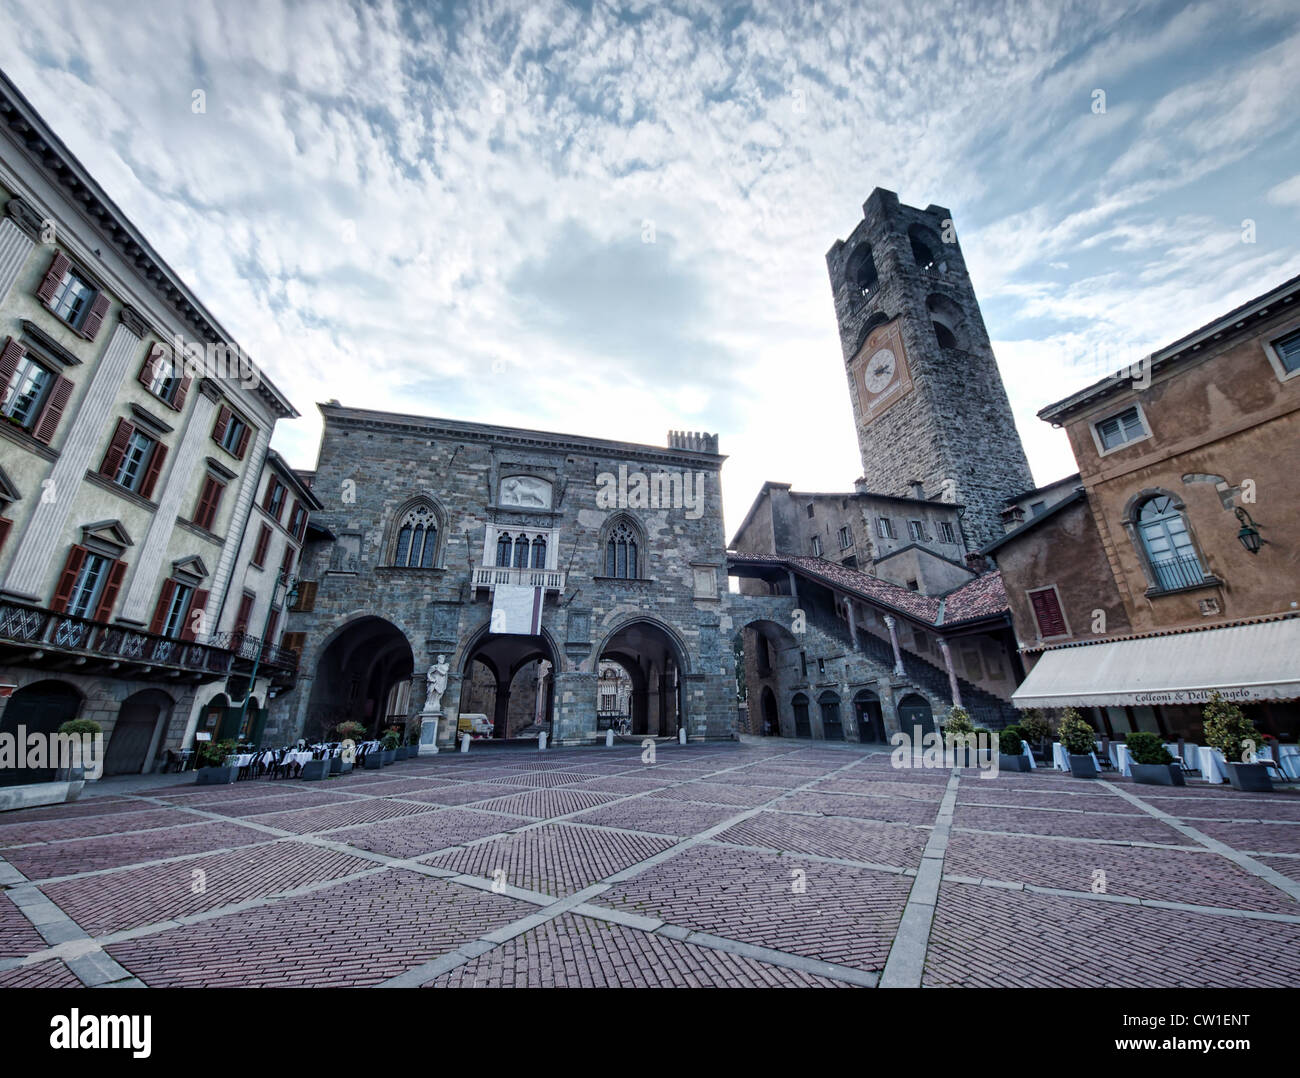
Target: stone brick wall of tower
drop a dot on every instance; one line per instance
(955, 427)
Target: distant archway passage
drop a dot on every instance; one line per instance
(771, 720)
(655, 665)
(509, 678)
(871, 720)
(355, 676)
(141, 726)
(39, 708)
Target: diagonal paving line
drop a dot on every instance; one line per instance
(906, 963)
(1255, 868)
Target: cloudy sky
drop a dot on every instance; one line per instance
(613, 219)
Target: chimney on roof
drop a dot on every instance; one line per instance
(918, 490)
(694, 441)
(860, 485)
(977, 563)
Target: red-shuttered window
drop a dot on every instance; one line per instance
(160, 377)
(245, 612)
(70, 296)
(231, 433)
(1048, 613)
(133, 459)
(205, 513)
(32, 397)
(263, 542)
(89, 585)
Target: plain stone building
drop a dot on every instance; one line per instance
(133, 437)
(525, 558)
(928, 401)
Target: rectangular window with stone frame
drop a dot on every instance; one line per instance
(34, 396)
(160, 377)
(133, 460)
(70, 295)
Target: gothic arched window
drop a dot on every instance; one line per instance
(503, 550)
(521, 552)
(417, 539)
(539, 552)
(621, 552)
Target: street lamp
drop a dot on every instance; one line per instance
(1248, 536)
(290, 597)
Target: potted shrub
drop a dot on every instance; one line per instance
(413, 738)
(388, 745)
(78, 728)
(1151, 763)
(1035, 729)
(957, 725)
(346, 731)
(211, 763)
(1080, 741)
(1011, 755)
(1234, 735)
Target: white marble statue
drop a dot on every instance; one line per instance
(437, 679)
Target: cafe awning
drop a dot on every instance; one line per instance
(1243, 662)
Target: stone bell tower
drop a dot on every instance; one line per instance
(928, 401)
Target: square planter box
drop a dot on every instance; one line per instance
(1012, 763)
(1082, 767)
(1252, 777)
(374, 761)
(315, 770)
(1158, 774)
(215, 776)
(388, 756)
(339, 766)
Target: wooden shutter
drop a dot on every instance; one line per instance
(182, 390)
(58, 268)
(116, 449)
(306, 597)
(243, 441)
(223, 421)
(198, 602)
(68, 579)
(263, 541)
(10, 356)
(245, 612)
(272, 625)
(152, 472)
(53, 411)
(164, 604)
(209, 499)
(6, 525)
(294, 642)
(150, 366)
(286, 563)
(108, 598)
(1047, 611)
(94, 317)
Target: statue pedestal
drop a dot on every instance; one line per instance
(429, 732)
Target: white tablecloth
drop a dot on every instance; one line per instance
(241, 760)
(1213, 765)
(1123, 761)
(1289, 760)
(1060, 758)
(297, 757)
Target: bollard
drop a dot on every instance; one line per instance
(541, 741)
(464, 742)
(609, 738)
(681, 736)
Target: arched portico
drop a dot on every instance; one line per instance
(355, 674)
(655, 660)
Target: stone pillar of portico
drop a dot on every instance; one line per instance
(501, 711)
(83, 430)
(893, 642)
(952, 673)
(853, 625)
(177, 487)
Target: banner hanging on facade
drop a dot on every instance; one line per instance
(517, 609)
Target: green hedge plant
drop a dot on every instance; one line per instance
(1146, 748)
(389, 741)
(1076, 733)
(1228, 730)
(80, 727)
(1009, 740)
(958, 721)
(1034, 727)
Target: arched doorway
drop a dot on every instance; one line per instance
(771, 719)
(355, 675)
(509, 678)
(654, 663)
(871, 720)
(914, 710)
(832, 723)
(39, 708)
(802, 724)
(141, 724)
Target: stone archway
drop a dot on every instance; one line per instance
(355, 675)
(656, 662)
(40, 708)
(870, 715)
(509, 678)
(140, 728)
(771, 717)
(915, 710)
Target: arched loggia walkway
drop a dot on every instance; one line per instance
(355, 676)
(510, 679)
(654, 661)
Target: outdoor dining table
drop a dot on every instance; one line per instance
(1060, 758)
(1213, 765)
(1122, 760)
(297, 758)
(1288, 759)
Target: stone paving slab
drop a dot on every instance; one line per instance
(715, 793)
(870, 807)
(658, 816)
(53, 974)
(579, 952)
(989, 938)
(543, 804)
(1117, 827)
(18, 936)
(1264, 837)
(358, 933)
(415, 836)
(84, 826)
(302, 821)
(852, 840)
(466, 793)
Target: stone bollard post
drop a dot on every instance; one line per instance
(464, 742)
(541, 741)
(609, 738)
(681, 736)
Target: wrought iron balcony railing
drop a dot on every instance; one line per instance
(243, 646)
(1173, 574)
(44, 630)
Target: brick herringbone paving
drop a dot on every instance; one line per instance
(18, 936)
(414, 836)
(578, 952)
(853, 840)
(845, 915)
(1202, 879)
(659, 816)
(114, 851)
(140, 896)
(822, 871)
(991, 938)
(358, 933)
(40, 975)
(556, 859)
(1124, 827)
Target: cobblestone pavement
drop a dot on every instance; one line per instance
(762, 863)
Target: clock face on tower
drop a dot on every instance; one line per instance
(879, 371)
